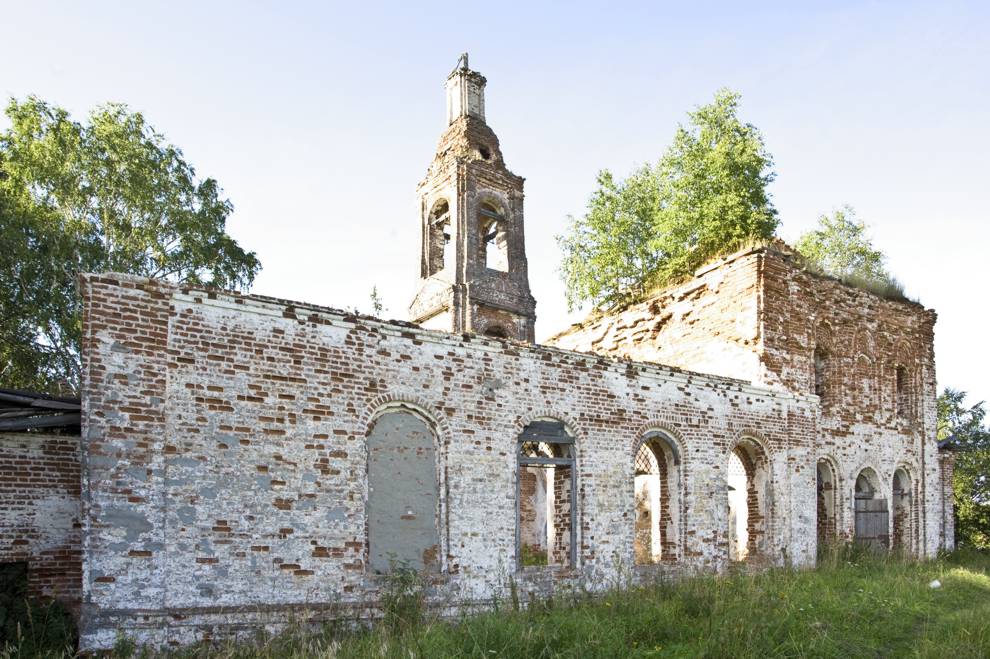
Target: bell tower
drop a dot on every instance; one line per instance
(473, 272)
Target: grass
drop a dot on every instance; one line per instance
(854, 605)
(532, 556)
(889, 289)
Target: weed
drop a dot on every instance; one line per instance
(402, 596)
(857, 603)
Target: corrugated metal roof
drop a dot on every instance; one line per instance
(27, 410)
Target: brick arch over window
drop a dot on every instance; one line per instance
(546, 413)
(749, 498)
(433, 414)
(658, 501)
(824, 335)
(865, 344)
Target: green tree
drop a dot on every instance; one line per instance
(107, 195)
(971, 479)
(841, 247)
(707, 195)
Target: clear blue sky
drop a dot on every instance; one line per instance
(319, 119)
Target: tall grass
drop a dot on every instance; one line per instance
(855, 605)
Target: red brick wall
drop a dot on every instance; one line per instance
(39, 512)
(226, 444)
(709, 324)
(758, 315)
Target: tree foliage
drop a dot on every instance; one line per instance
(971, 479)
(841, 247)
(707, 195)
(107, 195)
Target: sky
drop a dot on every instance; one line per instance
(319, 119)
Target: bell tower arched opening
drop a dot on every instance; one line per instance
(494, 248)
(440, 248)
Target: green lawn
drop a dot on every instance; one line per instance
(852, 606)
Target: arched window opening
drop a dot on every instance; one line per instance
(748, 481)
(496, 332)
(821, 370)
(826, 507)
(403, 494)
(546, 485)
(903, 535)
(656, 535)
(441, 250)
(903, 393)
(494, 239)
(870, 509)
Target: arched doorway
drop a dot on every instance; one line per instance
(903, 536)
(870, 508)
(827, 490)
(748, 500)
(656, 535)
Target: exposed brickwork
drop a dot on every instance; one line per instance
(39, 512)
(668, 541)
(709, 324)
(226, 463)
(757, 315)
(532, 535)
(466, 187)
(561, 552)
(226, 437)
(947, 463)
(826, 504)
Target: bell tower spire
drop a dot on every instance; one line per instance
(465, 92)
(473, 270)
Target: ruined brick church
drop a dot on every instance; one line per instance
(244, 460)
